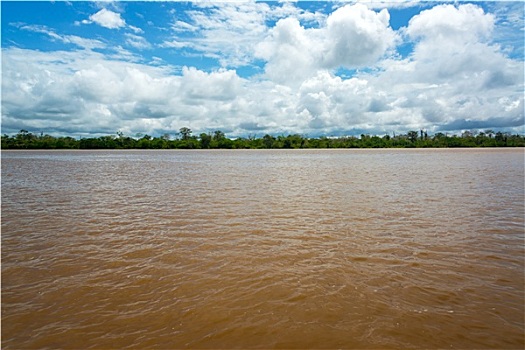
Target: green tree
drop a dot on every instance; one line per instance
(225, 143)
(144, 142)
(412, 136)
(185, 133)
(268, 141)
(7, 142)
(501, 139)
(205, 140)
(218, 135)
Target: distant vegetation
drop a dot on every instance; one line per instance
(185, 140)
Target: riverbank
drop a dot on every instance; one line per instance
(218, 140)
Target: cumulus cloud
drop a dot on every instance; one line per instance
(466, 23)
(96, 94)
(106, 95)
(290, 52)
(108, 19)
(352, 37)
(455, 77)
(222, 85)
(453, 45)
(356, 36)
(458, 55)
(331, 102)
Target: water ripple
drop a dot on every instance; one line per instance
(263, 249)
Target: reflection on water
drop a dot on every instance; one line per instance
(266, 249)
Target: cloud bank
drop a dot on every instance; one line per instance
(314, 71)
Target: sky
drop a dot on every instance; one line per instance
(251, 68)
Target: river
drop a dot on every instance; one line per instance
(362, 249)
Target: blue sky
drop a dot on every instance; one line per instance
(251, 68)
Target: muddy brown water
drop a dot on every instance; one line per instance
(263, 249)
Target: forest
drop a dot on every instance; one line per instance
(185, 139)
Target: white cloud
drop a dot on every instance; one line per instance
(509, 20)
(381, 4)
(453, 46)
(108, 19)
(175, 44)
(291, 51)
(221, 85)
(66, 39)
(466, 23)
(89, 92)
(157, 61)
(137, 30)
(229, 31)
(353, 36)
(137, 41)
(456, 77)
(357, 36)
(454, 74)
(115, 5)
(44, 82)
(112, 20)
(181, 26)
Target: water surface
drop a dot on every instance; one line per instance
(263, 249)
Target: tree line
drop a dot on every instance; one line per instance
(185, 139)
